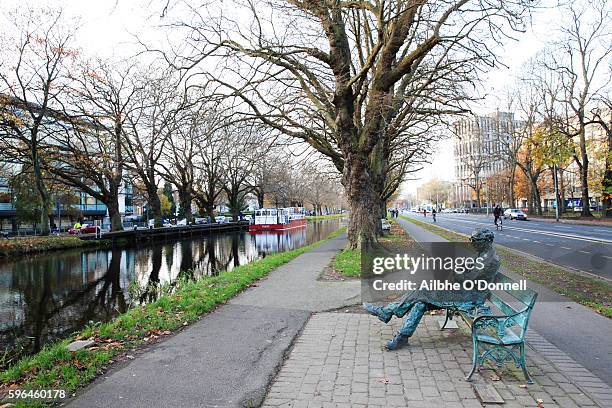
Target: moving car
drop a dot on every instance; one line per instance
(85, 229)
(515, 214)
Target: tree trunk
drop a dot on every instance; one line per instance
(44, 198)
(584, 177)
(210, 211)
(606, 183)
(536, 197)
(260, 197)
(512, 179)
(154, 204)
(113, 212)
(363, 202)
(185, 200)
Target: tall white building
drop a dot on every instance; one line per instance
(480, 142)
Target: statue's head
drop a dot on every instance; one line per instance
(482, 239)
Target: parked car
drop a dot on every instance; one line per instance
(165, 223)
(85, 229)
(222, 219)
(515, 214)
(385, 224)
(181, 223)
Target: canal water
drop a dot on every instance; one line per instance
(49, 296)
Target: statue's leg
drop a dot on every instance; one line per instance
(408, 326)
(386, 312)
(378, 311)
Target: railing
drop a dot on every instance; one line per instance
(82, 207)
(90, 207)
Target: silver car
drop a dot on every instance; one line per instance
(515, 214)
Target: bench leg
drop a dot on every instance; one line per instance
(524, 365)
(474, 359)
(449, 316)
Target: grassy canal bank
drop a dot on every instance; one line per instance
(56, 367)
(589, 291)
(30, 245)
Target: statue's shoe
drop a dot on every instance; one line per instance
(399, 341)
(378, 312)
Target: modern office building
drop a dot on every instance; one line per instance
(480, 142)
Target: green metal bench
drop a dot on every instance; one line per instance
(500, 335)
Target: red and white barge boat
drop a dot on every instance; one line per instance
(277, 219)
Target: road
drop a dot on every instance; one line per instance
(584, 247)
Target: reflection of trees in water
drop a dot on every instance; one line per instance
(52, 295)
(51, 310)
(151, 289)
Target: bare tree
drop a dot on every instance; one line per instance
(602, 116)
(181, 155)
(208, 170)
(88, 155)
(340, 83)
(245, 144)
(33, 83)
(579, 60)
(151, 125)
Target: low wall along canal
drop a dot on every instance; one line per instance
(49, 296)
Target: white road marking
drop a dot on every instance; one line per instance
(549, 233)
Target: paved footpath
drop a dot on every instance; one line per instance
(339, 360)
(229, 357)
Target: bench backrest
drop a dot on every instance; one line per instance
(526, 300)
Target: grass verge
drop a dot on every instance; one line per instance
(348, 262)
(56, 367)
(23, 246)
(325, 217)
(589, 291)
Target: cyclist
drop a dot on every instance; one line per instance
(497, 213)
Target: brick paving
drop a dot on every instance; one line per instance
(339, 361)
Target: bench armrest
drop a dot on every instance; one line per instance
(499, 322)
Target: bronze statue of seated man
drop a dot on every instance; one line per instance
(416, 303)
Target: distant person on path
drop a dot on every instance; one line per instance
(497, 212)
(416, 303)
(433, 214)
(425, 213)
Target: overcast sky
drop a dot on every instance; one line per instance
(107, 29)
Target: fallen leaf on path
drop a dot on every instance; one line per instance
(495, 377)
